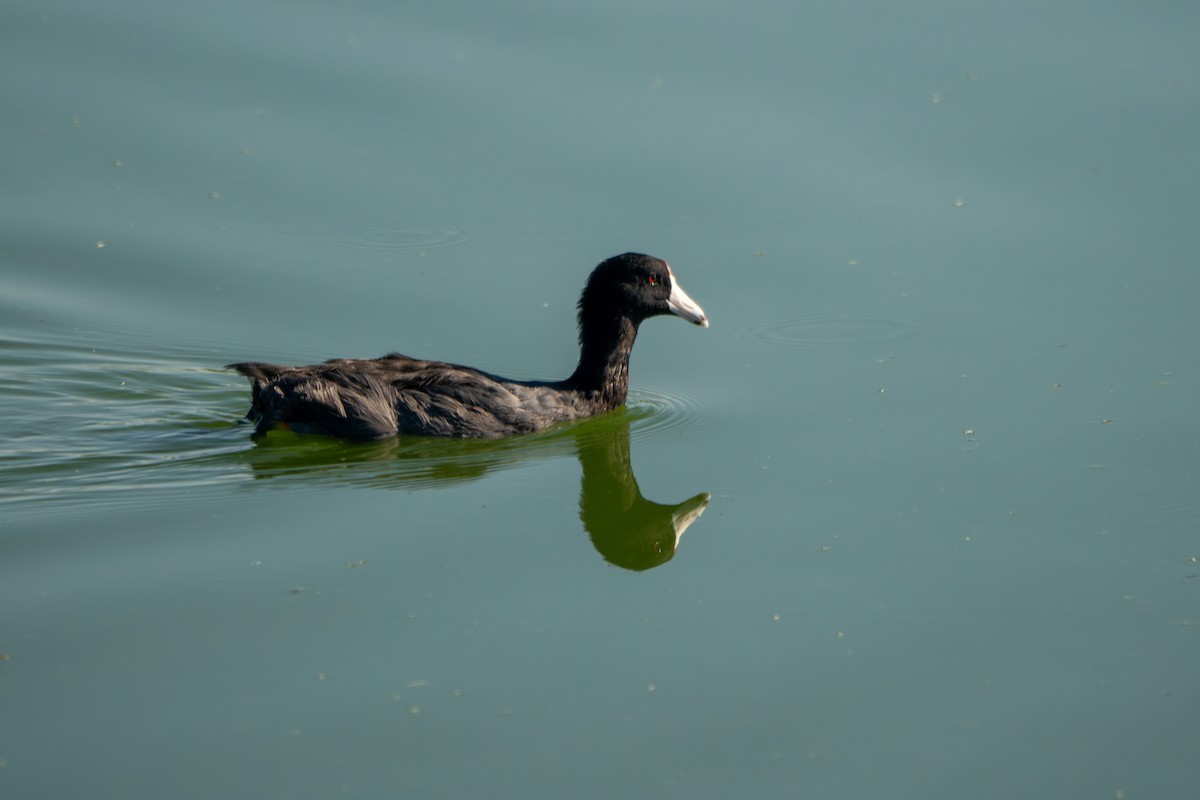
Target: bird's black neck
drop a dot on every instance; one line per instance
(603, 368)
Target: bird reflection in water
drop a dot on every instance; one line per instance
(628, 530)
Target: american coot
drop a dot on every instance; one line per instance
(397, 395)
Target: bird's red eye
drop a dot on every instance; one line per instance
(650, 279)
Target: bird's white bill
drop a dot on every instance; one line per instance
(684, 306)
(688, 512)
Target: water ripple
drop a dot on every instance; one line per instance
(397, 238)
(659, 414)
(829, 331)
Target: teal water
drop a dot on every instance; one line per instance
(918, 516)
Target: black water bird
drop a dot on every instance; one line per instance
(397, 395)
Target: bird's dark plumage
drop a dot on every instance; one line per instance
(397, 395)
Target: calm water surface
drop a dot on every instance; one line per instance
(919, 516)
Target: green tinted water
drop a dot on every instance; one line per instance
(944, 419)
